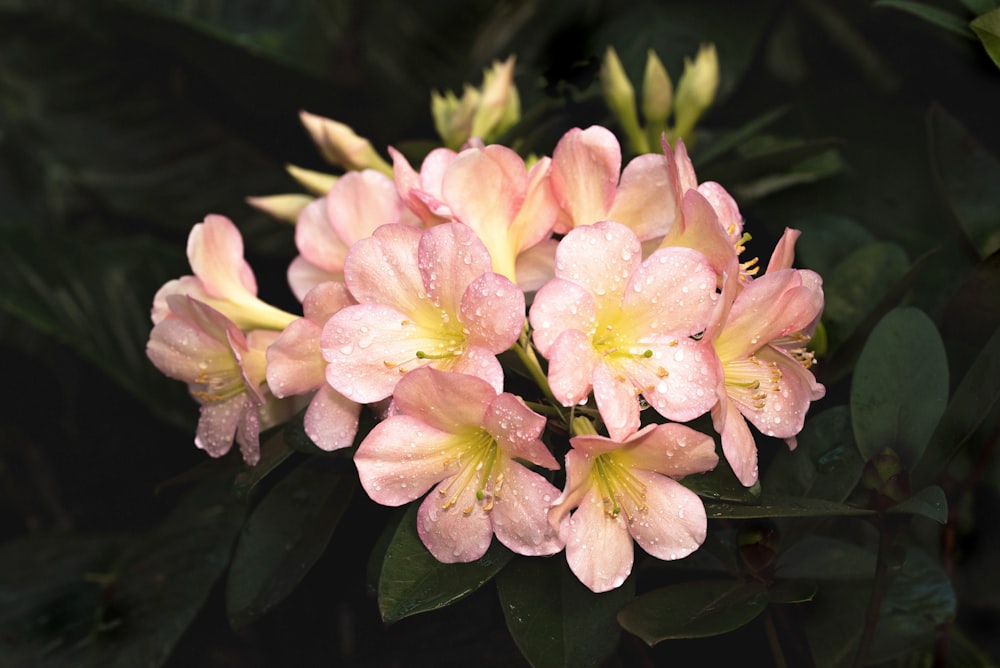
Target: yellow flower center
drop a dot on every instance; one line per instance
(478, 467)
(621, 491)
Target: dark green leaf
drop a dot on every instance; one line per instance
(976, 397)
(857, 285)
(821, 558)
(987, 29)
(942, 19)
(554, 619)
(825, 465)
(900, 386)
(781, 507)
(967, 175)
(792, 591)
(721, 484)
(285, 535)
(727, 141)
(274, 451)
(826, 240)
(930, 502)
(693, 610)
(413, 581)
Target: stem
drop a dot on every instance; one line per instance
(879, 586)
(526, 352)
(773, 641)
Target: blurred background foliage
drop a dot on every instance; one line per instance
(873, 127)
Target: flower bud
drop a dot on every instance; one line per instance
(484, 112)
(696, 90)
(657, 91)
(317, 183)
(341, 146)
(285, 208)
(620, 98)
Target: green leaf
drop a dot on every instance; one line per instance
(826, 240)
(285, 535)
(857, 285)
(773, 506)
(792, 591)
(977, 397)
(942, 19)
(822, 558)
(554, 619)
(726, 142)
(824, 465)
(966, 174)
(900, 386)
(721, 484)
(413, 581)
(693, 610)
(930, 502)
(987, 29)
(274, 452)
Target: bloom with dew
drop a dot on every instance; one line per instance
(626, 489)
(357, 203)
(225, 372)
(624, 326)
(456, 433)
(759, 336)
(424, 298)
(295, 366)
(222, 279)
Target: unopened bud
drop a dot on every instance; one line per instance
(499, 104)
(318, 183)
(341, 146)
(285, 208)
(620, 98)
(696, 90)
(657, 91)
(886, 477)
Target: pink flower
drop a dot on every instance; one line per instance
(422, 191)
(457, 432)
(295, 366)
(586, 184)
(623, 326)
(511, 208)
(759, 339)
(626, 489)
(222, 279)
(326, 229)
(224, 371)
(424, 297)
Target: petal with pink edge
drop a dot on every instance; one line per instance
(560, 306)
(492, 312)
(519, 515)
(617, 401)
(448, 533)
(585, 172)
(516, 429)
(215, 251)
(382, 269)
(599, 548)
(449, 402)
(738, 444)
(218, 422)
(295, 364)
(601, 258)
(303, 276)
(317, 240)
(670, 449)
(331, 421)
(572, 364)
(450, 257)
(674, 524)
(642, 203)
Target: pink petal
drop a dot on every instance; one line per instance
(421, 192)
(331, 421)
(478, 362)
(699, 228)
(303, 276)
(248, 436)
(642, 203)
(401, 458)
(674, 525)
(599, 548)
(449, 402)
(448, 533)
(784, 411)
(295, 364)
(382, 269)
(617, 401)
(484, 189)
(360, 202)
(572, 364)
(678, 380)
(450, 256)
(559, 306)
(536, 265)
(492, 312)
(784, 252)
(670, 449)
(215, 251)
(218, 422)
(601, 258)
(519, 515)
(539, 210)
(738, 443)
(324, 300)
(517, 429)
(317, 240)
(585, 171)
(672, 293)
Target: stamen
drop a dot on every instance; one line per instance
(622, 491)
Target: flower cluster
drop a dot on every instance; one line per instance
(604, 289)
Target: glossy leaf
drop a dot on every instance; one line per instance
(693, 610)
(413, 581)
(826, 240)
(942, 19)
(792, 591)
(967, 175)
(930, 502)
(824, 465)
(285, 535)
(857, 285)
(781, 507)
(987, 29)
(554, 619)
(721, 484)
(900, 386)
(976, 397)
(822, 558)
